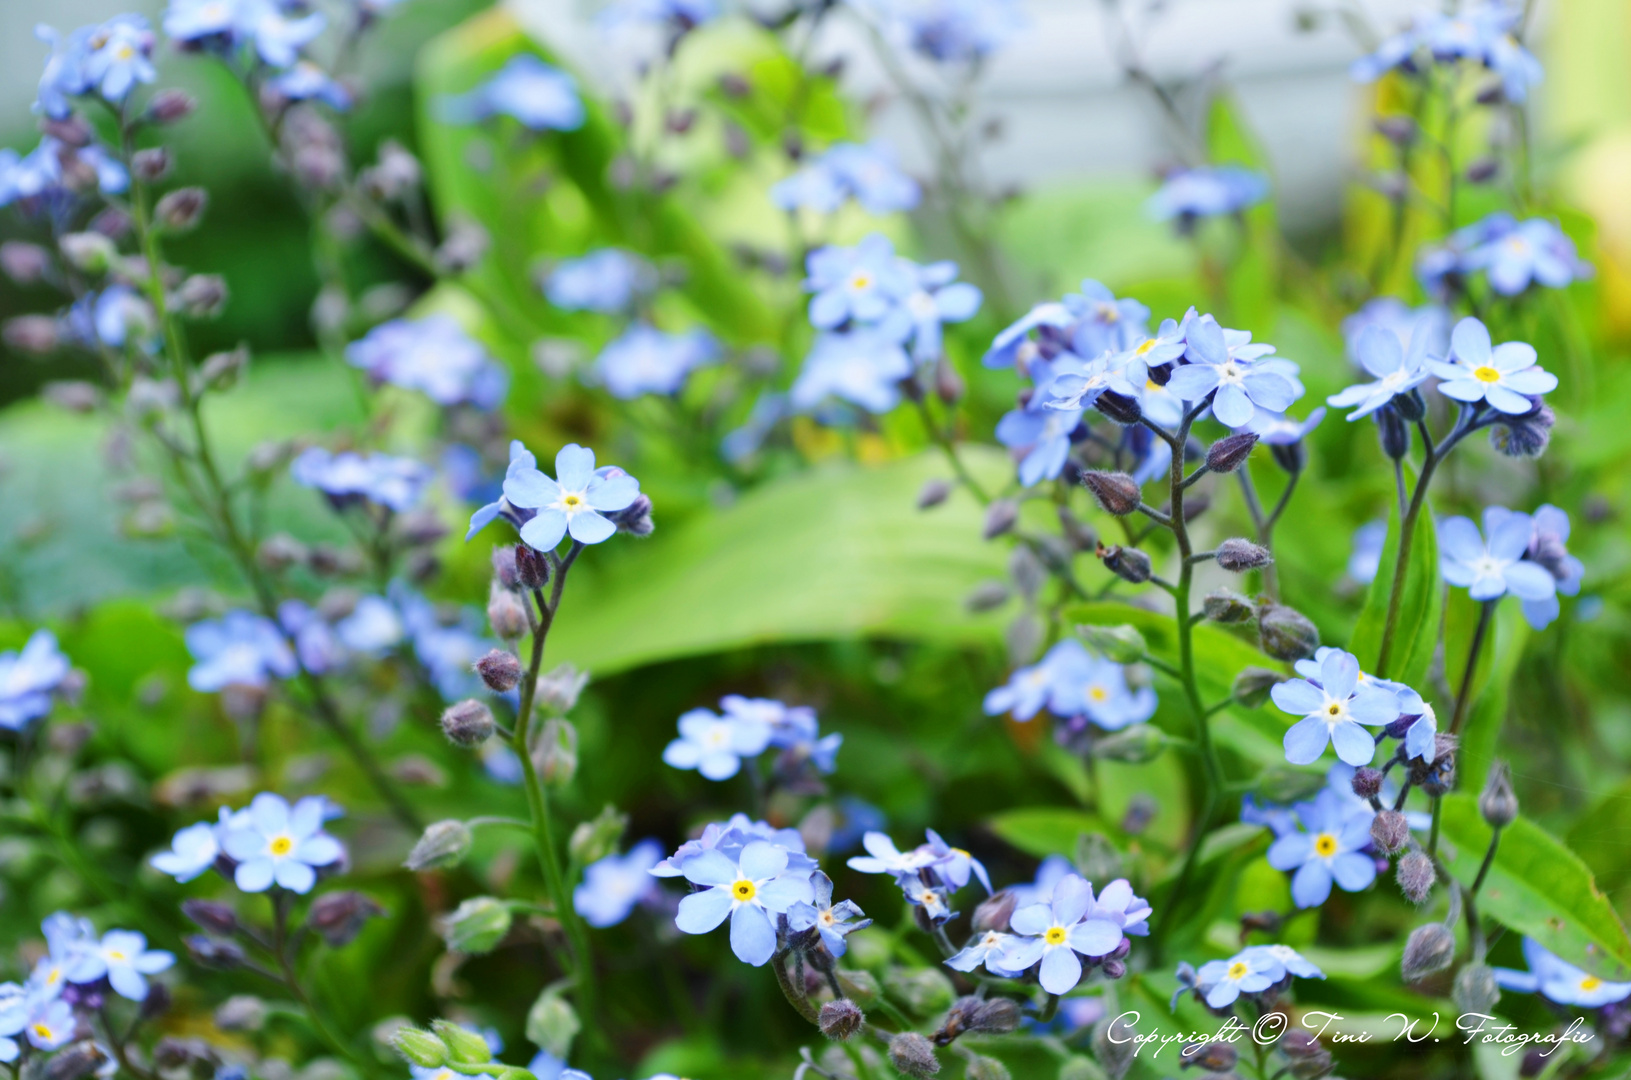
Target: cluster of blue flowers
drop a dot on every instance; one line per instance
(1071, 682)
(644, 360)
(608, 281)
(435, 356)
(535, 94)
(947, 31)
(72, 977)
(347, 478)
(715, 744)
(31, 680)
(1482, 34)
(266, 843)
(1337, 702)
(1522, 554)
(866, 173)
(1187, 195)
(1512, 254)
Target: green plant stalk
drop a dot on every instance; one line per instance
(282, 951)
(1464, 693)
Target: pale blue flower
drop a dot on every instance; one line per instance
(123, 958)
(1221, 982)
(1029, 688)
(306, 81)
(645, 360)
(1329, 848)
(536, 94)
(1366, 557)
(396, 483)
(749, 890)
(51, 1024)
(1041, 436)
(1223, 366)
(1517, 254)
(239, 649)
(1055, 932)
(1396, 371)
(1332, 709)
(118, 55)
(1105, 324)
(1090, 685)
(1402, 321)
(1548, 549)
(934, 298)
(373, 627)
(986, 949)
(1493, 569)
(949, 31)
(520, 459)
(38, 174)
(29, 678)
(1049, 873)
(1278, 429)
(574, 501)
(793, 730)
(865, 283)
(64, 74)
(1013, 344)
(193, 850)
(866, 173)
(315, 644)
(113, 316)
(953, 865)
(447, 651)
(863, 367)
(277, 844)
(608, 281)
(433, 355)
(614, 885)
(833, 922)
(1559, 981)
(276, 35)
(769, 409)
(1208, 192)
(883, 857)
(730, 837)
(1167, 345)
(715, 745)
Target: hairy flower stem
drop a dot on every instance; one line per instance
(549, 859)
(794, 994)
(949, 448)
(283, 949)
(1463, 695)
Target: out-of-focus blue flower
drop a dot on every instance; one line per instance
(539, 96)
(730, 837)
(1223, 365)
(306, 81)
(645, 360)
(1055, 932)
(742, 443)
(1189, 194)
(315, 644)
(1013, 343)
(347, 478)
(1516, 254)
(466, 475)
(856, 818)
(1029, 688)
(1403, 321)
(447, 652)
(1278, 429)
(39, 173)
(373, 627)
(1041, 439)
(123, 958)
(238, 649)
(29, 678)
(1481, 33)
(794, 730)
(1049, 873)
(936, 298)
(868, 174)
(948, 31)
(608, 280)
(574, 501)
(612, 886)
(1559, 981)
(833, 922)
(681, 14)
(1327, 849)
(50, 1023)
(863, 367)
(1332, 708)
(112, 316)
(435, 356)
(1547, 549)
(1493, 569)
(748, 890)
(1396, 371)
(64, 74)
(193, 850)
(222, 25)
(277, 844)
(715, 745)
(118, 55)
(1366, 558)
(1104, 323)
(954, 865)
(864, 283)
(1090, 685)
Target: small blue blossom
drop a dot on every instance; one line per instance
(574, 501)
(1077, 383)
(748, 890)
(833, 922)
(1104, 323)
(1029, 689)
(1278, 429)
(347, 478)
(276, 844)
(223, 25)
(1332, 708)
(1517, 254)
(1189, 194)
(113, 316)
(986, 949)
(883, 857)
(715, 745)
(435, 356)
(447, 651)
(1049, 873)
(868, 174)
(1559, 981)
(1366, 557)
(1493, 569)
(608, 281)
(934, 298)
(683, 15)
(1403, 321)
(193, 850)
(1224, 365)
(949, 31)
(793, 730)
(373, 627)
(1328, 848)
(1166, 346)
(1013, 344)
(39, 173)
(29, 678)
(730, 837)
(1041, 439)
(1054, 933)
(1396, 371)
(536, 94)
(863, 367)
(315, 644)
(1250, 971)
(1092, 686)
(864, 283)
(123, 958)
(306, 81)
(51, 1023)
(614, 885)
(64, 74)
(1548, 549)
(239, 649)
(645, 360)
(1481, 33)
(118, 55)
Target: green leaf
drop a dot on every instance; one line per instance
(1420, 606)
(1045, 830)
(1539, 888)
(1492, 687)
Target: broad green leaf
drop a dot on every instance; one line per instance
(1539, 888)
(1045, 830)
(1420, 606)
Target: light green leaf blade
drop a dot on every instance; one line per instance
(1421, 606)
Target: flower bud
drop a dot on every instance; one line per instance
(500, 670)
(635, 519)
(1286, 634)
(840, 1019)
(76, 1061)
(1367, 782)
(1113, 1045)
(73, 395)
(1389, 831)
(181, 209)
(1120, 408)
(994, 911)
(1415, 875)
(1399, 130)
(1411, 407)
(241, 1012)
(398, 173)
(477, 925)
(1308, 1057)
(1129, 564)
(151, 165)
(596, 838)
(531, 567)
(556, 753)
(1497, 802)
(1113, 968)
(949, 384)
(419, 1047)
(1230, 452)
(1475, 989)
(504, 568)
(171, 105)
(912, 1055)
(1238, 556)
(552, 1023)
(1124, 643)
(1077, 1067)
(443, 844)
(202, 296)
(216, 953)
(1525, 436)
(507, 615)
(1252, 685)
(88, 251)
(1430, 948)
(469, 723)
(1213, 1057)
(212, 915)
(558, 690)
(987, 596)
(1001, 516)
(463, 248)
(933, 493)
(24, 263)
(1224, 606)
(1393, 432)
(985, 1068)
(31, 333)
(1135, 745)
(338, 917)
(1117, 493)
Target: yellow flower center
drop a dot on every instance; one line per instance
(861, 280)
(1098, 693)
(1055, 935)
(572, 501)
(43, 1031)
(1590, 982)
(1144, 347)
(1325, 845)
(281, 845)
(744, 890)
(1486, 374)
(1238, 970)
(826, 918)
(116, 957)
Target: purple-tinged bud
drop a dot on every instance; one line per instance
(397, 174)
(181, 209)
(635, 519)
(949, 385)
(933, 493)
(1238, 556)
(506, 613)
(1196, 505)
(1141, 811)
(420, 527)
(464, 247)
(24, 263)
(1113, 1045)
(1214, 1057)
(994, 911)
(202, 296)
(241, 1012)
(504, 573)
(1483, 170)
(469, 723)
(733, 85)
(1411, 407)
(1367, 782)
(913, 1055)
(1266, 922)
(1399, 130)
(443, 844)
(1525, 436)
(1415, 875)
(559, 689)
(1119, 408)
(73, 395)
(1497, 802)
(1286, 634)
(156, 1003)
(500, 670)
(1001, 516)
(31, 333)
(531, 567)
(1430, 949)
(1393, 432)
(1224, 606)
(216, 917)
(991, 1016)
(151, 165)
(1113, 969)
(171, 105)
(88, 251)
(1129, 564)
(840, 1019)
(1308, 1057)
(1230, 452)
(1291, 456)
(216, 953)
(280, 551)
(1253, 684)
(338, 917)
(1389, 830)
(77, 1060)
(72, 130)
(1475, 989)
(1117, 493)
